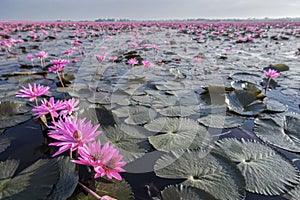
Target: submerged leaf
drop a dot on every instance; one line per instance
(181, 192)
(260, 165)
(285, 136)
(207, 171)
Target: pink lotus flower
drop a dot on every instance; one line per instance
(33, 92)
(68, 52)
(146, 63)
(59, 62)
(56, 68)
(30, 57)
(105, 160)
(76, 43)
(101, 58)
(70, 107)
(113, 58)
(41, 54)
(5, 44)
(197, 60)
(72, 133)
(132, 61)
(271, 73)
(49, 107)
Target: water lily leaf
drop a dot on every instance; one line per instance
(120, 190)
(293, 194)
(260, 165)
(13, 113)
(8, 168)
(127, 139)
(244, 103)
(207, 171)
(121, 111)
(140, 115)
(245, 85)
(221, 121)
(100, 98)
(67, 181)
(34, 182)
(274, 105)
(171, 85)
(180, 192)
(285, 136)
(245, 76)
(278, 67)
(178, 111)
(177, 133)
(4, 143)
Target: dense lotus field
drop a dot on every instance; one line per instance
(151, 110)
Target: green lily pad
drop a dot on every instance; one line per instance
(67, 181)
(260, 165)
(293, 194)
(180, 192)
(13, 113)
(278, 67)
(127, 139)
(244, 103)
(103, 98)
(4, 143)
(176, 133)
(274, 105)
(120, 190)
(221, 121)
(34, 182)
(178, 111)
(285, 136)
(207, 171)
(140, 115)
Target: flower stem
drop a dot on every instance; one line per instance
(61, 82)
(267, 87)
(36, 102)
(94, 194)
(70, 153)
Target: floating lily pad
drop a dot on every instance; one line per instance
(103, 98)
(34, 182)
(278, 67)
(67, 181)
(4, 143)
(207, 171)
(120, 190)
(285, 136)
(260, 165)
(178, 111)
(140, 115)
(129, 140)
(13, 113)
(293, 194)
(245, 76)
(176, 133)
(274, 105)
(221, 121)
(244, 103)
(181, 192)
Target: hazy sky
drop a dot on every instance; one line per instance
(39, 10)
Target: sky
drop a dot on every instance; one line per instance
(50, 10)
